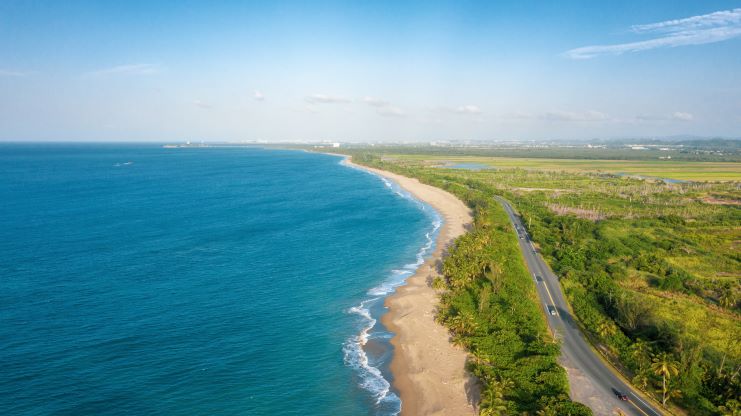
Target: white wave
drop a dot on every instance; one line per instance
(362, 310)
(371, 378)
(397, 278)
(356, 358)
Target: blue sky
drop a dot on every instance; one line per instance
(417, 70)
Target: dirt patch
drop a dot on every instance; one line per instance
(715, 201)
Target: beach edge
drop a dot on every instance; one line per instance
(428, 370)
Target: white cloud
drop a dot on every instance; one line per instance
(518, 115)
(326, 99)
(694, 30)
(468, 109)
(129, 69)
(202, 104)
(391, 111)
(258, 96)
(384, 108)
(682, 116)
(572, 116)
(463, 110)
(375, 102)
(590, 115)
(676, 116)
(715, 19)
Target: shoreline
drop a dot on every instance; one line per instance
(429, 372)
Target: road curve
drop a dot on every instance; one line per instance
(575, 351)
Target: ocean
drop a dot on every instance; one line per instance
(136, 279)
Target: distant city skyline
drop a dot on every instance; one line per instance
(382, 71)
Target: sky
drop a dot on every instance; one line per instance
(368, 71)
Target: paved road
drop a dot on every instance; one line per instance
(575, 350)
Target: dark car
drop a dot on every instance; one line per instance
(622, 396)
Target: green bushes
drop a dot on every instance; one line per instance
(512, 352)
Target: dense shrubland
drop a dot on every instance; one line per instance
(653, 279)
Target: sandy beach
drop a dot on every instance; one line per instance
(428, 370)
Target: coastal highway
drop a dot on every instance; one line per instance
(576, 352)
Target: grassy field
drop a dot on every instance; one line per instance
(678, 170)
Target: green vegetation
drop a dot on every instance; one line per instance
(490, 305)
(670, 169)
(651, 269)
(649, 150)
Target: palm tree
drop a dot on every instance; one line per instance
(640, 351)
(497, 404)
(665, 366)
(463, 324)
(731, 408)
(604, 329)
(727, 298)
(642, 380)
(546, 411)
(498, 410)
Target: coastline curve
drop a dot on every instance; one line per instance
(428, 371)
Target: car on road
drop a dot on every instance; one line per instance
(551, 310)
(622, 396)
(538, 278)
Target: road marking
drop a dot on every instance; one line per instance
(636, 406)
(545, 285)
(523, 244)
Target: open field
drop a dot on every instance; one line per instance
(678, 170)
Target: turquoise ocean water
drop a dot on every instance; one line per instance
(233, 281)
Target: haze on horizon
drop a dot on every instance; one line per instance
(351, 71)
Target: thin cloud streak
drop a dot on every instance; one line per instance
(375, 102)
(682, 116)
(384, 108)
(695, 30)
(128, 69)
(463, 110)
(390, 111)
(468, 109)
(560, 116)
(326, 99)
(204, 105)
(590, 115)
(715, 19)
